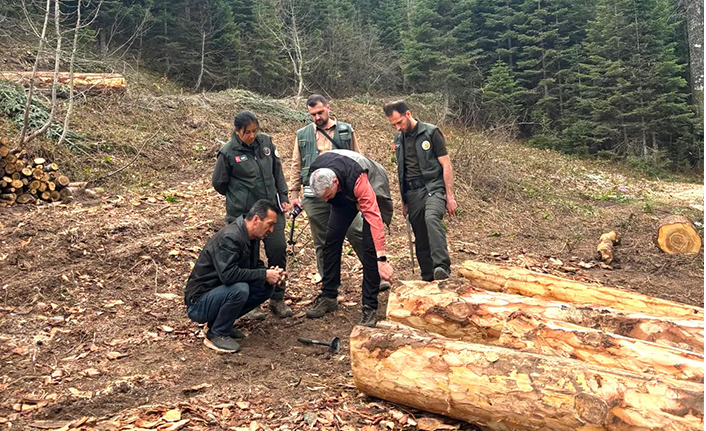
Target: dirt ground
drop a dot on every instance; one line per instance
(92, 321)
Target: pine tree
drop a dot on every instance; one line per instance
(633, 94)
(501, 96)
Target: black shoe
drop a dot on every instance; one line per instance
(441, 273)
(384, 285)
(322, 306)
(255, 314)
(279, 308)
(236, 333)
(221, 343)
(370, 316)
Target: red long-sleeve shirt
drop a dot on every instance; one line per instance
(368, 205)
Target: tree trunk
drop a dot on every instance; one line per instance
(523, 282)
(503, 389)
(676, 235)
(694, 11)
(459, 317)
(92, 83)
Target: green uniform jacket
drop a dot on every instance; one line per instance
(432, 172)
(308, 151)
(248, 173)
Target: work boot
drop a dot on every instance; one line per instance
(384, 285)
(370, 316)
(221, 343)
(322, 305)
(441, 273)
(279, 308)
(236, 333)
(255, 314)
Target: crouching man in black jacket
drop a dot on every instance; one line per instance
(229, 279)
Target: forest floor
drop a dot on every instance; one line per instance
(93, 331)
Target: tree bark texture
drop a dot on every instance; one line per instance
(447, 313)
(694, 10)
(505, 389)
(425, 305)
(527, 283)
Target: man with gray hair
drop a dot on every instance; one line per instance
(352, 183)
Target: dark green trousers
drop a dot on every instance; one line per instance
(425, 214)
(319, 211)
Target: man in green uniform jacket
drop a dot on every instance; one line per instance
(426, 183)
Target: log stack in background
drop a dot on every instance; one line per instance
(596, 359)
(25, 180)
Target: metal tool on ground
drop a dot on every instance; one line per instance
(334, 346)
(296, 210)
(409, 240)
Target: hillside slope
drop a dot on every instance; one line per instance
(92, 319)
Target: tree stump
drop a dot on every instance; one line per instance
(677, 235)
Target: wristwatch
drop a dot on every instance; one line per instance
(382, 258)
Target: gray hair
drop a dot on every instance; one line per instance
(321, 179)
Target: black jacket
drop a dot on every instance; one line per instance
(229, 257)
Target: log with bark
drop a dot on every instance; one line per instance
(677, 235)
(528, 283)
(605, 246)
(428, 307)
(505, 389)
(425, 305)
(92, 83)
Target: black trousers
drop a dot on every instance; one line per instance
(342, 215)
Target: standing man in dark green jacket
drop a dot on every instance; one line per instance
(325, 133)
(426, 183)
(249, 169)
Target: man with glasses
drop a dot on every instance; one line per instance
(325, 133)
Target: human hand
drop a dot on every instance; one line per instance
(284, 206)
(451, 206)
(274, 276)
(385, 271)
(295, 202)
(404, 210)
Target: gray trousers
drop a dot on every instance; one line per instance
(318, 211)
(425, 214)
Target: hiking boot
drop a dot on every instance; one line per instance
(221, 343)
(279, 308)
(236, 333)
(322, 306)
(255, 314)
(441, 273)
(370, 316)
(384, 285)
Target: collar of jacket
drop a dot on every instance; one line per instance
(419, 128)
(239, 145)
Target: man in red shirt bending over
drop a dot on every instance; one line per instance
(352, 184)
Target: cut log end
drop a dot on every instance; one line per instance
(677, 235)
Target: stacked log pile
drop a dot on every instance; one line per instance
(92, 83)
(536, 352)
(25, 180)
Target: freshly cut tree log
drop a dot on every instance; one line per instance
(677, 235)
(456, 318)
(523, 282)
(605, 246)
(471, 314)
(91, 82)
(25, 198)
(504, 389)
(63, 180)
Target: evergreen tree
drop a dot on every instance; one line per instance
(501, 96)
(633, 98)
